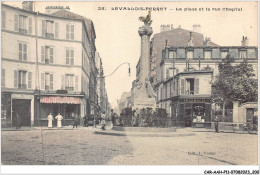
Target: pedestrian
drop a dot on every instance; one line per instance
(216, 124)
(50, 119)
(113, 118)
(75, 120)
(59, 119)
(18, 121)
(103, 121)
(85, 120)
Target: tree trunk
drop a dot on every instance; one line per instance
(224, 108)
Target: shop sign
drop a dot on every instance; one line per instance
(62, 91)
(195, 100)
(68, 100)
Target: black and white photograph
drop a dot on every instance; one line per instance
(119, 83)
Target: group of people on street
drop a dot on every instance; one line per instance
(58, 118)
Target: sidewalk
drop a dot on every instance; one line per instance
(25, 128)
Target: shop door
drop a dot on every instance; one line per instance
(249, 114)
(23, 109)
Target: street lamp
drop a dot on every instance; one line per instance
(129, 70)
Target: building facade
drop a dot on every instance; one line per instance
(183, 65)
(50, 68)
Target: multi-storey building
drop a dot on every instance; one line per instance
(48, 64)
(183, 66)
(101, 89)
(187, 74)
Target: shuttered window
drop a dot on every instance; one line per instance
(69, 57)
(76, 82)
(15, 78)
(42, 81)
(16, 22)
(70, 32)
(51, 81)
(3, 77)
(47, 54)
(42, 54)
(3, 19)
(22, 51)
(56, 30)
(30, 25)
(43, 28)
(196, 86)
(29, 80)
(182, 86)
(62, 81)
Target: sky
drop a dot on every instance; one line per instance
(117, 39)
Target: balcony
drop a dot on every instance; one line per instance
(69, 88)
(49, 35)
(23, 31)
(189, 93)
(47, 61)
(22, 86)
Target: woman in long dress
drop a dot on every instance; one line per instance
(50, 119)
(59, 119)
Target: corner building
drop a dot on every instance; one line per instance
(48, 62)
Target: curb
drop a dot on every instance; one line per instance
(144, 134)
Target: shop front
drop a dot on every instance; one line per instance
(66, 106)
(192, 111)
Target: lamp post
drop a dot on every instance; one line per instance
(104, 76)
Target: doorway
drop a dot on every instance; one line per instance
(23, 109)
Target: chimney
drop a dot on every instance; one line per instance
(165, 27)
(197, 28)
(207, 41)
(190, 43)
(244, 41)
(28, 5)
(53, 9)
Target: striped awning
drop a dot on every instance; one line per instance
(68, 100)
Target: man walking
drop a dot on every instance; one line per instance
(103, 121)
(216, 124)
(75, 120)
(18, 121)
(113, 118)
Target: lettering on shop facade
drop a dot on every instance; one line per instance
(195, 100)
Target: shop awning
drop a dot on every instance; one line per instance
(68, 100)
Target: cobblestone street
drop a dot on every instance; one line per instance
(82, 147)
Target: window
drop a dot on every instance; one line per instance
(69, 57)
(3, 78)
(22, 22)
(49, 29)
(47, 53)
(189, 86)
(242, 54)
(3, 19)
(207, 55)
(69, 82)
(70, 31)
(224, 54)
(189, 55)
(22, 50)
(48, 81)
(172, 54)
(22, 79)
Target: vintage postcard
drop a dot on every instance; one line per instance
(130, 83)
